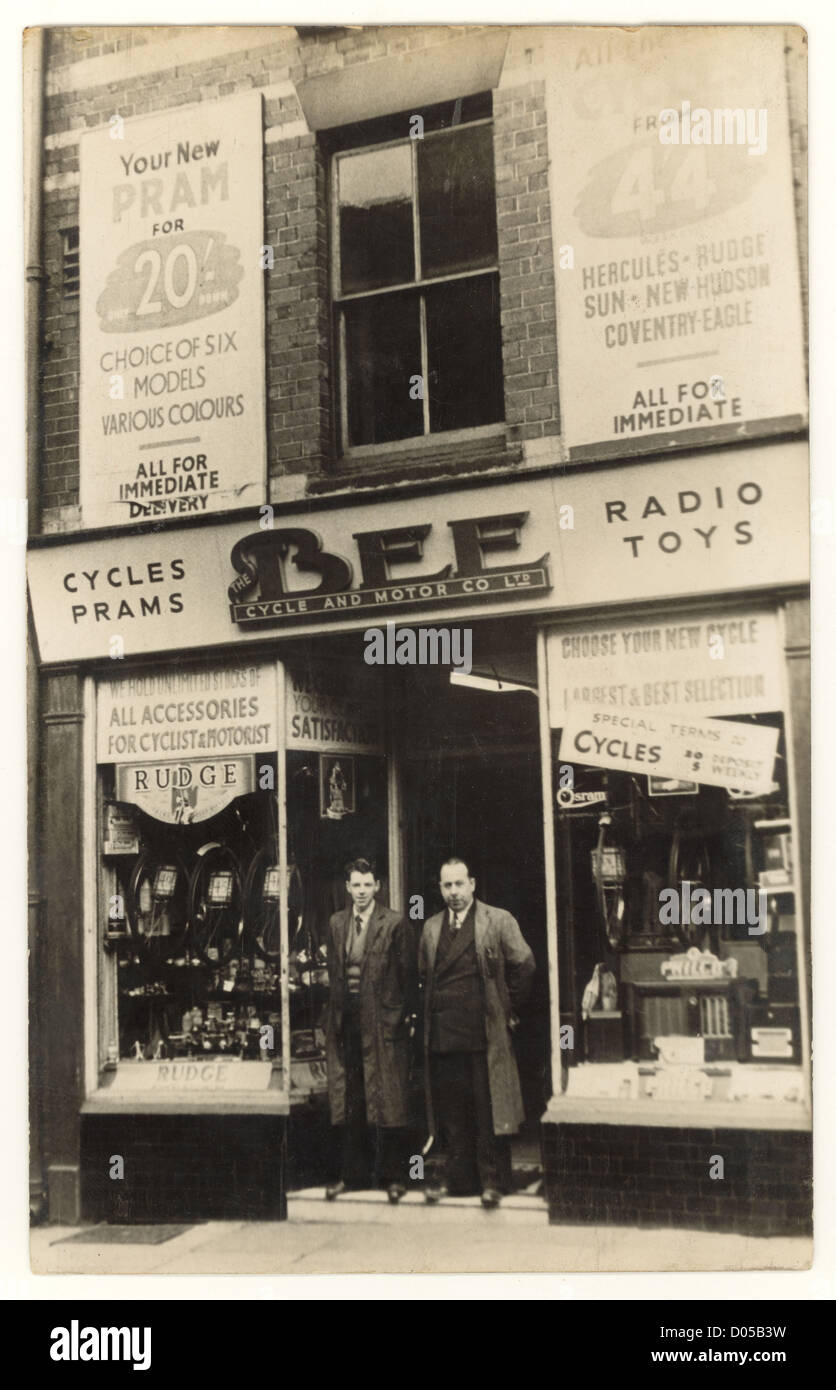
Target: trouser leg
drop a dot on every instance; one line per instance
(357, 1155)
(493, 1152)
(456, 1119)
(392, 1159)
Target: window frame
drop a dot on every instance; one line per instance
(418, 286)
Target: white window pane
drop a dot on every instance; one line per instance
(375, 213)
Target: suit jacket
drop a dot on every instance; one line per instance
(387, 996)
(457, 1018)
(506, 967)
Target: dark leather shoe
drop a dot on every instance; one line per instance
(334, 1189)
(434, 1195)
(395, 1191)
(491, 1198)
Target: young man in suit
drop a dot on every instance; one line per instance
(476, 971)
(372, 975)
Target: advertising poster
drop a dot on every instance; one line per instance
(171, 410)
(675, 242)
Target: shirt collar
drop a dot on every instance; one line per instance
(365, 914)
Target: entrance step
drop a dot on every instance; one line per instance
(310, 1205)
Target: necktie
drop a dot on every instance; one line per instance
(456, 923)
(358, 925)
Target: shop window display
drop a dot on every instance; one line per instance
(193, 915)
(198, 941)
(678, 908)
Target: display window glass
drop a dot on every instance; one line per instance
(677, 896)
(191, 881)
(198, 943)
(680, 907)
(193, 878)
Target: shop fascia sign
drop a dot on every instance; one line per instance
(734, 520)
(260, 596)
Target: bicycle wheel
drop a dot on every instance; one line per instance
(157, 904)
(262, 902)
(608, 874)
(215, 893)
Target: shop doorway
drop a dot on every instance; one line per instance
(472, 786)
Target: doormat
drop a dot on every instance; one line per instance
(105, 1234)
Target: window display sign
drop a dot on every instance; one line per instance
(194, 1078)
(216, 714)
(675, 241)
(120, 832)
(718, 663)
(327, 712)
(185, 792)
(717, 753)
(172, 396)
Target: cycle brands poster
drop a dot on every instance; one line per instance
(675, 241)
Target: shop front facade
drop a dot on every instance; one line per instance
(370, 592)
(214, 773)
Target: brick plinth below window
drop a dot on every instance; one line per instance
(637, 1175)
(184, 1168)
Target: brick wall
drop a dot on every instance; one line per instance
(526, 268)
(639, 1175)
(183, 1168)
(59, 356)
(73, 45)
(298, 328)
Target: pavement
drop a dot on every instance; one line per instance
(361, 1233)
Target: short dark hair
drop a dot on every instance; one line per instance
(456, 859)
(360, 866)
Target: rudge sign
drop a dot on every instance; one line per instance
(172, 314)
(186, 792)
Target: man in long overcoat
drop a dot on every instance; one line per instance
(476, 970)
(372, 973)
